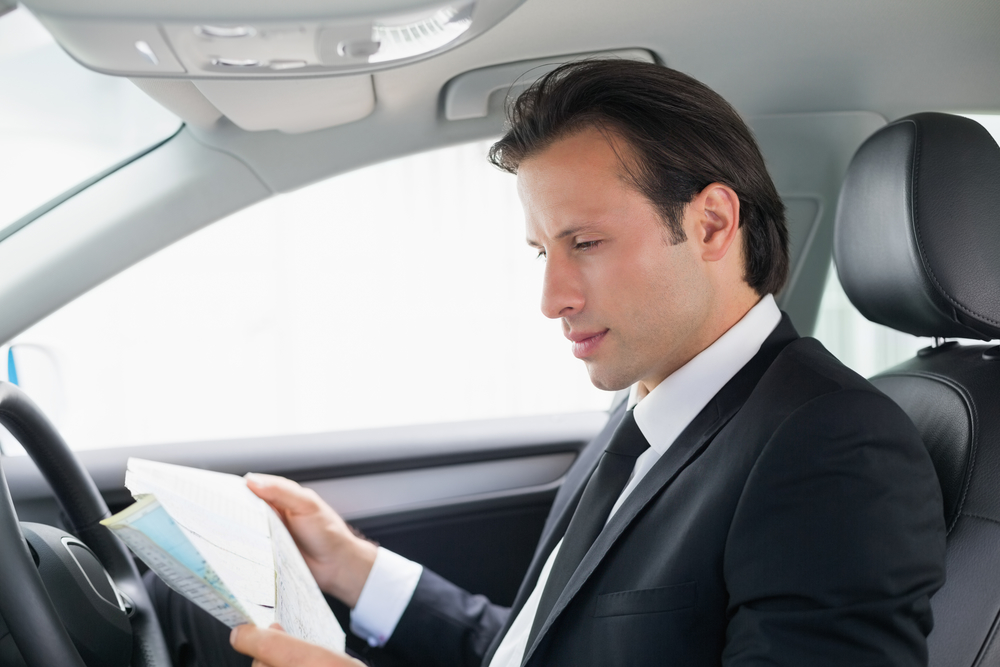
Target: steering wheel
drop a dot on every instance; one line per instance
(24, 603)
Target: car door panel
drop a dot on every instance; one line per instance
(467, 500)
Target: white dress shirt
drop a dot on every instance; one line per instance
(661, 416)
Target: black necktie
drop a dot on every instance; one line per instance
(600, 495)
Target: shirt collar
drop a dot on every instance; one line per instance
(667, 410)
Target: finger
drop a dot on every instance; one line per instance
(278, 649)
(281, 493)
(258, 663)
(267, 647)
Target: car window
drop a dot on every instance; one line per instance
(61, 124)
(401, 293)
(866, 347)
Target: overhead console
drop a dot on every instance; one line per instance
(256, 39)
(293, 66)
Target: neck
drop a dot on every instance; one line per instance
(726, 316)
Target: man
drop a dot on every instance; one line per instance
(754, 502)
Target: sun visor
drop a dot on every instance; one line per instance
(223, 39)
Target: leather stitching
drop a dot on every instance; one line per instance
(973, 435)
(920, 244)
(984, 518)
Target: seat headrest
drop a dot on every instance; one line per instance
(917, 235)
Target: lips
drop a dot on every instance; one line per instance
(586, 343)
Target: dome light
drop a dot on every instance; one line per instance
(225, 32)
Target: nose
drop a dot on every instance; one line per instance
(562, 293)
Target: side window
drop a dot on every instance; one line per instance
(397, 294)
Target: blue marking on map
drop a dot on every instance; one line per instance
(160, 527)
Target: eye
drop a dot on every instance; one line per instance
(540, 255)
(587, 245)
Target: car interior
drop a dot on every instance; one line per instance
(874, 120)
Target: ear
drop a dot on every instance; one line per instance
(715, 218)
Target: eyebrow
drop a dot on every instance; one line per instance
(561, 235)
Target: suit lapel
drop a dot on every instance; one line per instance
(688, 445)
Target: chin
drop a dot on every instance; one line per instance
(607, 380)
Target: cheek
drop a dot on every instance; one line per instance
(645, 287)
(669, 293)
(601, 283)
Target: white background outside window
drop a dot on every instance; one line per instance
(402, 293)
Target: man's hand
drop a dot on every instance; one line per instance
(274, 648)
(340, 560)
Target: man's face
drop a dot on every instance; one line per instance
(632, 303)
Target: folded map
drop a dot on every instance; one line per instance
(217, 544)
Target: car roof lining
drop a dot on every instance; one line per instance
(891, 58)
(775, 57)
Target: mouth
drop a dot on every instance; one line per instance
(585, 344)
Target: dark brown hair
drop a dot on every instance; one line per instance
(682, 137)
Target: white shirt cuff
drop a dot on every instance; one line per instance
(385, 596)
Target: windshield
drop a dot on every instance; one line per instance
(60, 124)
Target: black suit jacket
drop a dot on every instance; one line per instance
(796, 521)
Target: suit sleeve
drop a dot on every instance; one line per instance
(446, 625)
(837, 542)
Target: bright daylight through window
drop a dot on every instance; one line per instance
(398, 294)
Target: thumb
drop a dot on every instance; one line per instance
(281, 493)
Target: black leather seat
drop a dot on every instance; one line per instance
(917, 248)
